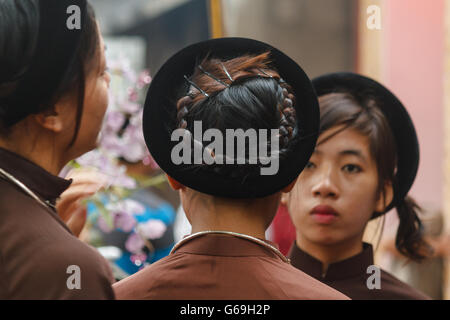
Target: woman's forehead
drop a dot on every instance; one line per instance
(343, 141)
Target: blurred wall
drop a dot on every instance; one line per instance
(413, 68)
(318, 34)
(407, 55)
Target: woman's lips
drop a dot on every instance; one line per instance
(324, 214)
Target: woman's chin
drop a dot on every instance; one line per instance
(324, 239)
(80, 151)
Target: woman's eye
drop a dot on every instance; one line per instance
(309, 165)
(352, 168)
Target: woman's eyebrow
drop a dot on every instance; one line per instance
(353, 152)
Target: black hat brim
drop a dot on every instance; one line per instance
(397, 116)
(160, 118)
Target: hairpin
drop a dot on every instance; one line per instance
(213, 77)
(265, 73)
(226, 71)
(196, 86)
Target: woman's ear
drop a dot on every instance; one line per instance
(384, 199)
(285, 192)
(50, 120)
(174, 183)
(284, 198)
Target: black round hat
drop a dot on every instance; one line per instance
(398, 118)
(160, 114)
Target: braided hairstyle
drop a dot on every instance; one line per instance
(240, 93)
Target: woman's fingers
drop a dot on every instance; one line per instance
(73, 198)
(77, 220)
(87, 176)
(86, 183)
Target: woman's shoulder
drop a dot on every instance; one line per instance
(294, 283)
(394, 288)
(56, 269)
(38, 251)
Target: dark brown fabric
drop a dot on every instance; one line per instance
(36, 247)
(215, 267)
(350, 276)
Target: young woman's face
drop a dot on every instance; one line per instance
(336, 194)
(95, 105)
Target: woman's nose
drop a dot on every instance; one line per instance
(325, 185)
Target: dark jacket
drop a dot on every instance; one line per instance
(216, 267)
(37, 249)
(351, 276)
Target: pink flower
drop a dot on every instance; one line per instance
(123, 213)
(93, 159)
(130, 107)
(149, 161)
(144, 79)
(124, 181)
(115, 143)
(124, 221)
(138, 259)
(134, 243)
(132, 94)
(152, 229)
(103, 225)
(112, 143)
(129, 74)
(115, 120)
(133, 207)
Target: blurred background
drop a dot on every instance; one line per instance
(404, 44)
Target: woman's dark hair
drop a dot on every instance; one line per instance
(240, 93)
(342, 109)
(19, 27)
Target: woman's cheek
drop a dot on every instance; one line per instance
(362, 208)
(297, 209)
(103, 96)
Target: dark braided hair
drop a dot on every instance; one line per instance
(240, 93)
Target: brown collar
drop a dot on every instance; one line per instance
(226, 245)
(42, 183)
(348, 268)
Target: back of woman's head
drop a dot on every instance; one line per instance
(241, 93)
(18, 26)
(363, 115)
(19, 34)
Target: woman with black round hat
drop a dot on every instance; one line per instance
(53, 96)
(364, 164)
(228, 120)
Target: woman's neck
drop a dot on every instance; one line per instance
(234, 223)
(39, 152)
(213, 214)
(329, 254)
